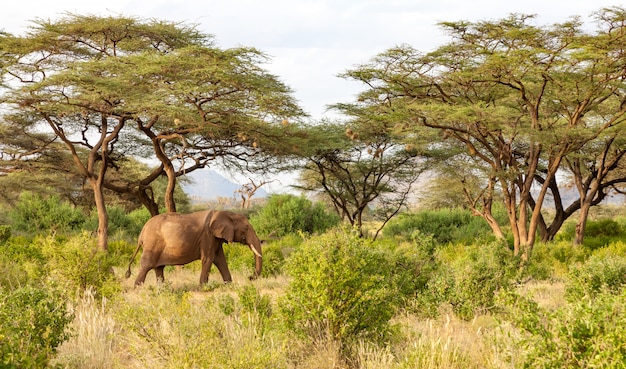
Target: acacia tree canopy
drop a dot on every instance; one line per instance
(518, 97)
(122, 86)
(360, 165)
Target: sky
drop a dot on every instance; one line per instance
(310, 42)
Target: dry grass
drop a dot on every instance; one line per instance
(144, 328)
(548, 295)
(92, 345)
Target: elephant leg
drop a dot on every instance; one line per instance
(222, 266)
(160, 278)
(141, 276)
(206, 268)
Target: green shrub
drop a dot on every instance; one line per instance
(129, 224)
(413, 266)
(342, 285)
(469, 276)
(275, 252)
(602, 272)
(5, 233)
(586, 333)
(33, 323)
(252, 302)
(552, 259)
(598, 233)
(137, 218)
(78, 264)
(284, 214)
(273, 260)
(445, 225)
(119, 251)
(21, 262)
(33, 214)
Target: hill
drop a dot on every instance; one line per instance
(208, 184)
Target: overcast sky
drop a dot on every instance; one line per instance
(310, 42)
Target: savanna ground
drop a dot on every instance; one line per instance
(436, 291)
(179, 325)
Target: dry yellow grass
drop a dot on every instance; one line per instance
(104, 338)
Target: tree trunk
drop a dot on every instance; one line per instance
(170, 204)
(147, 201)
(495, 227)
(582, 222)
(103, 216)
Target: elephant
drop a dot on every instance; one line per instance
(178, 239)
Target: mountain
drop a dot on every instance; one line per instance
(207, 184)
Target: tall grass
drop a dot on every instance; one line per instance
(92, 344)
(230, 326)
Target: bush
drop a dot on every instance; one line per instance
(33, 214)
(5, 233)
(342, 285)
(33, 323)
(602, 272)
(598, 233)
(120, 222)
(413, 266)
(78, 264)
(286, 214)
(137, 218)
(586, 333)
(275, 253)
(445, 225)
(468, 278)
(21, 262)
(552, 260)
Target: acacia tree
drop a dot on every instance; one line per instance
(120, 86)
(359, 166)
(520, 98)
(247, 190)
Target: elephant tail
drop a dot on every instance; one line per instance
(132, 258)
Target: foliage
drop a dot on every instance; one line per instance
(5, 233)
(342, 285)
(136, 219)
(468, 277)
(286, 213)
(21, 262)
(33, 323)
(413, 265)
(603, 272)
(552, 259)
(445, 225)
(499, 96)
(257, 307)
(78, 264)
(33, 214)
(585, 333)
(273, 259)
(121, 221)
(93, 74)
(598, 232)
(361, 165)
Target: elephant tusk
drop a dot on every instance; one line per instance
(255, 251)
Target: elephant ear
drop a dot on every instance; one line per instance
(222, 226)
